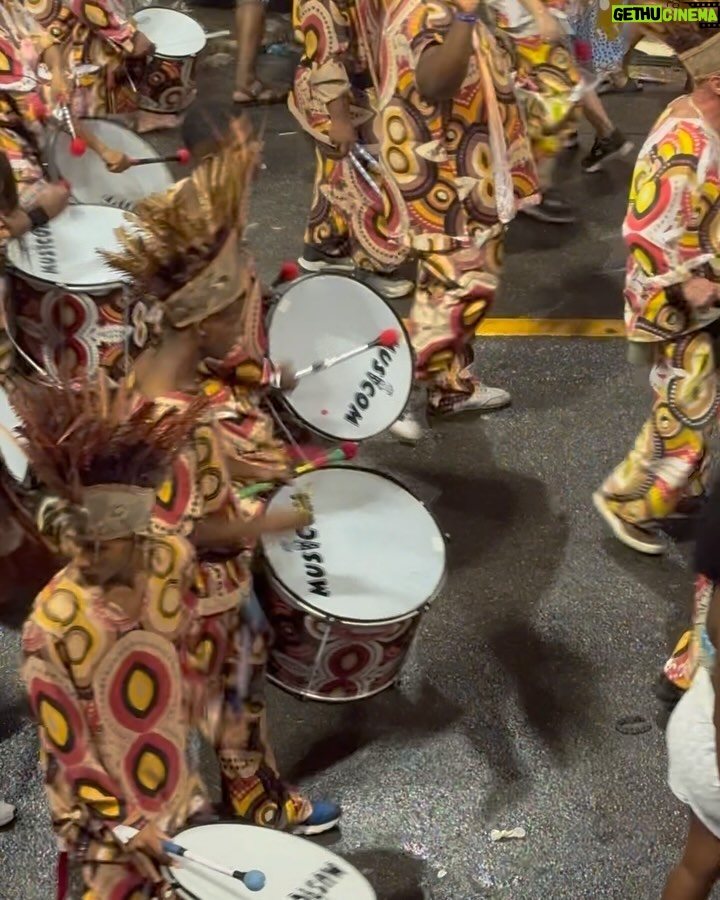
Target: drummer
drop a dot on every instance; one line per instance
(113, 751)
(98, 42)
(206, 285)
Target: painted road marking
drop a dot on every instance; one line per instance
(525, 327)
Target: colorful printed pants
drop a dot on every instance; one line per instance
(348, 219)
(121, 882)
(454, 291)
(680, 669)
(25, 163)
(547, 74)
(233, 651)
(669, 460)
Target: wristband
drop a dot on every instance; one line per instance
(470, 18)
(38, 217)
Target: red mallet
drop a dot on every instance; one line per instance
(289, 271)
(346, 450)
(181, 156)
(349, 449)
(388, 338)
(583, 51)
(78, 146)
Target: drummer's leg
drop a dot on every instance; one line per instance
(111, 878)
(326, 239)
(454, 293)
(249, 771)
(250, 27)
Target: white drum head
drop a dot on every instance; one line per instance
(293, 867)
(64, 252)
(173, 33)
(92, 183)
(13, 455)
(374, 554)
(327, 315)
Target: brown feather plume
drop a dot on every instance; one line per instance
(182, 230)
(98, 433)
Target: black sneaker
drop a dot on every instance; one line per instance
(604, 149)
(572, 141)
(315, 260)
(552, 209)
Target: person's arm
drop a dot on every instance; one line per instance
(667, 257)
(445, 56)
(547, 25)
(49, 203)
(106, 22)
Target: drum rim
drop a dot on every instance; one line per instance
(157, 55)
(105, 286)
(286, 401)
(322, 615)
(168, 873)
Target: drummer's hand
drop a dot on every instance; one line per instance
(53, 199)
(285, 520)
(142, 45)
(148, 852)
(60, 89)
(115, 161)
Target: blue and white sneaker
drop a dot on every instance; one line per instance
(325, 816)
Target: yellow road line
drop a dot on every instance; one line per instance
(523, 327)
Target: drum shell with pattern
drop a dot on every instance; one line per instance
(166, 80)
(345, 596)
(66, 309)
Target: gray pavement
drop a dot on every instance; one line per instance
(546, 634)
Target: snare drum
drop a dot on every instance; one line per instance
(93, 183)
(68, 306)
(345, 595)
(168, 80)
(326, 315)
(294, 868)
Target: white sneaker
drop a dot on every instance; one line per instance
(407, 429)
(390, 288)
(342, 263)
(483, 399)
(7, 813)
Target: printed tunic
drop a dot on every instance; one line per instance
(672, 225)
(107, 691)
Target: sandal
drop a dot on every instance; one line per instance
(258, 94)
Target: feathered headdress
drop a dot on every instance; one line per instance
(187, 250)
(101, 449)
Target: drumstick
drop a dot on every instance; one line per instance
(78, 144)
(254, 879)
(182, 156)
(390, 337)
(346, 450)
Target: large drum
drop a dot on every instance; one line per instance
(295, 869)
(167, 83)
(345, 596)
(93, 183)
(326, 315)
(67, 306)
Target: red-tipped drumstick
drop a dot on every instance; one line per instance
(289, 271)
(390, 337)
(181, 156)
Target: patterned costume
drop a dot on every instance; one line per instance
(197, 267)
(546, 76)
(96, 37)
(107, 691)
(22, 44)
(689, 653)
(107, 645)
(347, 219)
(671, 233)
(462, 168)
(593, 24)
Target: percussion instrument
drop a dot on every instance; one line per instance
(296, 869)
(167, 83)
(327, 315)
(67, 306)
(13, 456)
(345, 595)
(92, 182)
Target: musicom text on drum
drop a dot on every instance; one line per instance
(316, 574)
(374, 379)
(46, 251)
(320, 885)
